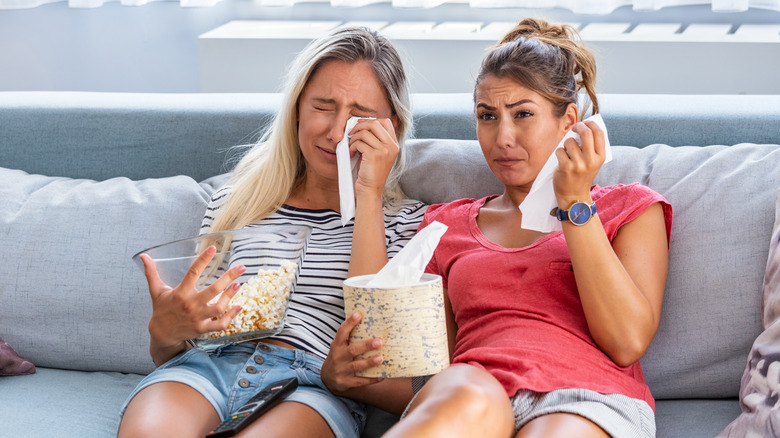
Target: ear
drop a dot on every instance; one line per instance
(570, 117)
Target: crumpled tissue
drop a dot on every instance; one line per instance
(541, 198)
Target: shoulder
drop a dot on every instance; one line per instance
(219, 197)
(445, 212)
(625, 195)
(406, 208)
(622, 203)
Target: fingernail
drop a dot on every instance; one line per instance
(378, 359)
(376, 343)
(241, 269)
(355, 315)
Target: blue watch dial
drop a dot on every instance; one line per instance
(579, 213)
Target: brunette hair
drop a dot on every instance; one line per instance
(547, 58)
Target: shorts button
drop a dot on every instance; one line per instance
(251, 370)
(244, 383)
(259, 360)
(265, 348)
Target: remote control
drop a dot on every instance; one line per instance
(261, 402)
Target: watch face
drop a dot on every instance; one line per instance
(579, 213)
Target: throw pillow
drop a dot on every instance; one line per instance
(72, 297)
(11, 364)
(759, 394)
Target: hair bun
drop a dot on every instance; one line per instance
(539, 29)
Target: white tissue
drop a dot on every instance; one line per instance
(348, 170)
(408, 266)
(541, 198)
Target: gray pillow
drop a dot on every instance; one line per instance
(758, 395)
(71, 297)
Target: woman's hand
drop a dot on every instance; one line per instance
(579, 164)
(338, 370)
(375, 140)
(183, 312)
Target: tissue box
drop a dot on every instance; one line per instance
(410, 320)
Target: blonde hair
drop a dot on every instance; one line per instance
(547, 58)
(266, 176)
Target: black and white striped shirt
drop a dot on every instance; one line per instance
(317, 306)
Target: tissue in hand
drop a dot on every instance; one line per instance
(541, 198)
(348, 169)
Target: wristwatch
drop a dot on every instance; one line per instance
(579, 213)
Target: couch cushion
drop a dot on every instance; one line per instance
(63, 404)
(723, 199)
(693, 418)
(72, 298)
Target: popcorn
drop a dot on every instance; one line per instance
(263, 300)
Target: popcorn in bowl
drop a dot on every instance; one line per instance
(263, 300)
(272, 255)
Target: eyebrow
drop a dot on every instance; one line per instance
(510, 106)
(355, 105)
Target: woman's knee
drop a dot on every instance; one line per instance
(470, 391)
(168, 407)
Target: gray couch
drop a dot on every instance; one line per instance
(88, 179)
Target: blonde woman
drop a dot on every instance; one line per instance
(290, 177)
(549, 344)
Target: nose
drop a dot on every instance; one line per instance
(506, 134)
(336, 132)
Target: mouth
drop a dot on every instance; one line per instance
(507, 161)
(331, 155)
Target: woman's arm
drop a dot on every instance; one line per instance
(375, 140)
(621, 284)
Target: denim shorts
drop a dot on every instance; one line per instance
(620, 416)
(228, 375)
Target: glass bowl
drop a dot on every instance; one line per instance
(272, 255)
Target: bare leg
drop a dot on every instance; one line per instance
(289, 419)
(168, 409)
(460, 401)
(561, 425)
(175, 409)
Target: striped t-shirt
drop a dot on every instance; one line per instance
(317, 306)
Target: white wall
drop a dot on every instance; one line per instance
(662, 58)
(153, 48)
